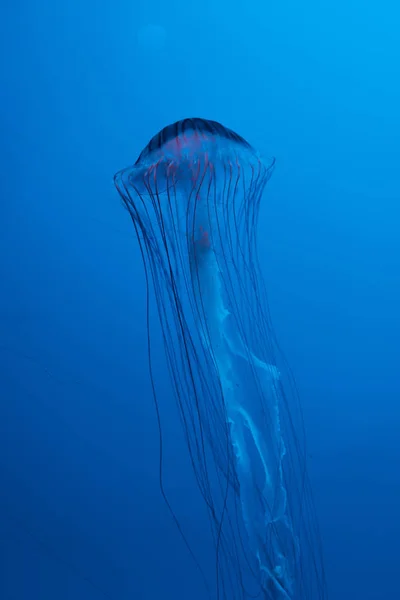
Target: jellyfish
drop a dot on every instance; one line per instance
(193, 196)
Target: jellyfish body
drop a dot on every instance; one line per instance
(193, 196)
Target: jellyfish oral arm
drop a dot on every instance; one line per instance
(258, 463)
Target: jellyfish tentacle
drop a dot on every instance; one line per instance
(193, 196)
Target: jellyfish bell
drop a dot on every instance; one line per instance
(193, 196)
(187, 169)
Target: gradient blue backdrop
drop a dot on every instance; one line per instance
(84, 85)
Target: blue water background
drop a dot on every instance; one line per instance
(84, 85)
